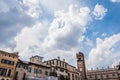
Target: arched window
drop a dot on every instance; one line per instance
(2, 79)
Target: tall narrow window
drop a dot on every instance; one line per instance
(9, 72)
(53, 62)
(39, 72)
(4, 71)
(96, 76)
(35, 71)
(29, 69)
(57, 62)
(107, 75)
(60, 63)
(16, 76)
(0, 71)
(63, 64)
(24, 76)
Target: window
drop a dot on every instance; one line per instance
(16, 76)
(18, 65)
(2, 79)
(62, 70)
(63, 64)
(90, 76)
(35, 71)
(73, 76)
(24, 76)
(107, 76)
(3, 71)
(0, 71)
(113, 74)
(68, 74)
(9, 72)
(60, 63)
(11, 62)
(56, 68)
(101, 76)
(96, 76)
(53, 62)
(7, 62)
(2, 61)
(46, 72)
(39, 71)
(66, 71)
(47, 63)
(29, 69)
(57, 62)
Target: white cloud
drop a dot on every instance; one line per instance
(94, 33)
(53, 5)
(32, 8)
(29, 41)
(12, 20)
(104, 34)
(89, 42)
(67, 28)
(116, 61)
(115, 0)
(99, 12)
(62, 36)
(103, 52)
(7, 49)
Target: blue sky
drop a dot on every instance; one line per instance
(52, 28)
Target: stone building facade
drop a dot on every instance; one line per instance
(58, 68)
(103, 74)
(34, 69)
(12, 68)
(8, 63)
(63, 70)
(73, 73)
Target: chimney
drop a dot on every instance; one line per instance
(108, 67)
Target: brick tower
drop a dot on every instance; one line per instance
(81, 65)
